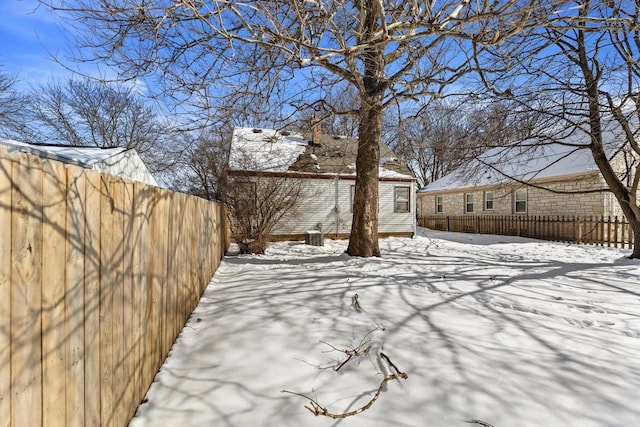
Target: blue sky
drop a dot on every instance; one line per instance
(29, 37)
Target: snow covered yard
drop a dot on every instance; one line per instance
(508, 331)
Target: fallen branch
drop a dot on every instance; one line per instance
(355, 303)
(480, 422)
(361, 349)
(316, 409)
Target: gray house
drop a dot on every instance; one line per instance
(325, 167)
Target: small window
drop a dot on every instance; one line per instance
(401, 199)
(488, 200)
(439, 204)
(353, 196)
(520, 200)
(468, 203)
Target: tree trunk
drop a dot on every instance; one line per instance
(364, 228)
(620, 191)
(635, 254)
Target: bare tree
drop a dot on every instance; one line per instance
(256, 204)
(388, 50)
(444, 134)
(206, 162)
(337, 111)
(12, 106)
(433, 142)
(86, 112)
(585, 80)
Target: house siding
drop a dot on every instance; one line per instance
(539, 201)
(326, 206)
(316, 209)
(390, 221)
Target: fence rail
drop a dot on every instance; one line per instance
(97, 277)
(602, 231)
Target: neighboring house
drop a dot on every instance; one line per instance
(496, 183)
(122, 162)
(325, 166)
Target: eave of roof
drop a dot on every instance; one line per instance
(538, 181)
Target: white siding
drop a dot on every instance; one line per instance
(327, 206)
(389, 220)
(317, 209)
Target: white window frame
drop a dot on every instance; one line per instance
(488, 198)
(518, 199)
(396, 201)
(439, 204)
(467, 203)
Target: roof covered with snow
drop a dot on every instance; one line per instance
(80, 156)
(265, 150)
(517, 163)
(546, 157)
(117, 161)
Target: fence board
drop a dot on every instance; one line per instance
(5, 288)
(53, 294)
(118, 301)
(107, 279)
(155, 291)
(74, 301)
(80, 345)
(128, 324)
(140, 256)
(173, 320)
(92, 300)
(26, 295)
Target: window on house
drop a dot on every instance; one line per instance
(439, 204)
(488, 200)
(520, 200)
(401, 199)
(468, 203)
(353, 196)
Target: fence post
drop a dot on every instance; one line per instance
(448, 223)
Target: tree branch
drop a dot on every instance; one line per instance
(317, 409)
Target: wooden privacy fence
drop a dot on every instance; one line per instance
(97, 278)
(603, 231)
